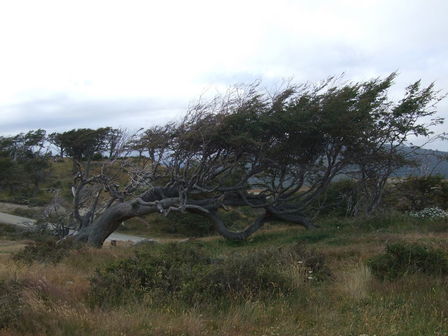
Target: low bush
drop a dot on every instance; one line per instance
(430, 213)
(407, 258)
(186, 272)
(47, 250)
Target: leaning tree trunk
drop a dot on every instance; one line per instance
(102, 227)
(96, 233)
(158, 200)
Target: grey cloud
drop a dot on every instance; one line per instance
(61, 112)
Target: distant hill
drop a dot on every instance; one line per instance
(432, 162)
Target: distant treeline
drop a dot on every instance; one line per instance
(25, 157)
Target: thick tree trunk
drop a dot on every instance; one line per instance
(236, 236)
(159, 198)
(105, 224)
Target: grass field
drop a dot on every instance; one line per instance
(54, 298)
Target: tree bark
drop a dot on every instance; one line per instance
(161, 199)
(103, 226)
(233, 235)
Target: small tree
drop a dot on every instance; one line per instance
(57, 140)
(82, 144)
(24, 160)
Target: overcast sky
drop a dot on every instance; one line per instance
(128, 63)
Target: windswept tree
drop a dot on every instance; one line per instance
(24, 160)
(114, 141)
(57, 140)
(81, 144)
(273, 152)
(386, 148)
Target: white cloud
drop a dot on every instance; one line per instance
(96, 53)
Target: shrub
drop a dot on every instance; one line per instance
(406, 258)
(147, 270)
(430, 213)
(187, 273)
(47, 250)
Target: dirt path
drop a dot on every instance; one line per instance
(15, 220)
(26, 222)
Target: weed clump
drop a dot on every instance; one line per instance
(187, 273)
(408, 258)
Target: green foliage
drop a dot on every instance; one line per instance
(37, 170)
(10, 174)
(404, 258)
(81, 143)
(46, 250)
(186, 272)
(23, 164)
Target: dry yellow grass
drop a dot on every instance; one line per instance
(354, 282)
(8, 247)
(352, 303)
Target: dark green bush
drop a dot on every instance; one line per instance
(159, 270)
(47, 250)
(408, 258)
(186, 272)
